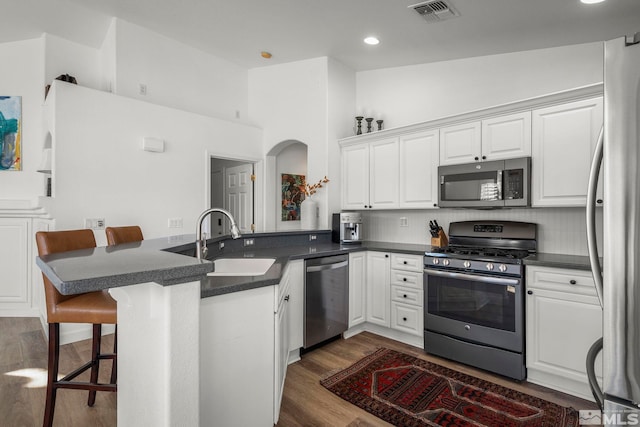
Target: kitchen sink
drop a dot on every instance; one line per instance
(241, 266)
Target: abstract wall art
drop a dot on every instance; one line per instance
(292, 196)
(10, 133)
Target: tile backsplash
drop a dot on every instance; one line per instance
(560, 230)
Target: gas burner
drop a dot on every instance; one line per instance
(475, 252)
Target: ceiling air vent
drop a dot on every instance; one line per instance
(435, 10)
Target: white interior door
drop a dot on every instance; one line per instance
(217, 200)
(239, 195)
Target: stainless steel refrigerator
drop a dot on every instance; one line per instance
(618, 282)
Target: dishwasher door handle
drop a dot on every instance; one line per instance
(316, 268)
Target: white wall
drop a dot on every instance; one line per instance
(67, 57)
(177, 75)
(22, 74)
(341, 105)
(418, 93)
(289, 102)
(291, 160)
(101, 171)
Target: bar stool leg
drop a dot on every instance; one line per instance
(95, 361)
(114, 369)
(54, 353)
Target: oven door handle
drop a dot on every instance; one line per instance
(485, 279)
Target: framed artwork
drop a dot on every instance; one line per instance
(292, 196)
(10, 134)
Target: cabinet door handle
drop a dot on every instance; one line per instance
(286, 298)
(484, 157)
(572, 281)
(386, 255)
(404, 319)
(476, 158)
(599, 201)
(530, 292)
(404, 279)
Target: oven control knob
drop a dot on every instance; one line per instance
(489, 266)
(467, 327)
(466, 264)
(436, 261)
(502, 268)
(445, 262)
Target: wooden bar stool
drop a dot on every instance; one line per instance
(118, 235)
(95, 307)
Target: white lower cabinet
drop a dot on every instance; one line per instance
(392, 286)
(407, 294)
(563, 320)
(357, 282)
(237, 356)
(15, 253)
(378, 292)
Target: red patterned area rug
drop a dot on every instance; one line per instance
(407, 391)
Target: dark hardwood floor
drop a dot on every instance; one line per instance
(305, 401)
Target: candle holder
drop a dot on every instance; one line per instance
(379, 122)
(359, 130)
(369, 120)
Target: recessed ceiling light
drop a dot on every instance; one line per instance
(371, 40)
(265, 54)
(591, 1)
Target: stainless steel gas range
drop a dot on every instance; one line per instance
(474, 295)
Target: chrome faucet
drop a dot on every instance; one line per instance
(201, 242)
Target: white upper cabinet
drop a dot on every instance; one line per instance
(370, 175)
(502, 137)
(460, 143)
(507, 137)
(355, 176)
(564, 139)
(383, 173)
(419, 170)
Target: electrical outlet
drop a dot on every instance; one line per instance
(175, 223)
(94, 223)
(404, 221)
(248, 242)
(143, 89)
(312, 237)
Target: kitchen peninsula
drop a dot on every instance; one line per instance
(166, 302)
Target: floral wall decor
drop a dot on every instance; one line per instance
(293, 190)
(10, 133)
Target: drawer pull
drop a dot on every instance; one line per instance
(572, 281)
(404, 262)
(404, 279)
(404, 296)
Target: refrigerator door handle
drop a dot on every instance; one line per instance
(592, 243)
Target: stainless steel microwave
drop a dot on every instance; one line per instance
(494, 184)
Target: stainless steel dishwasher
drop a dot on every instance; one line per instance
(326, 298)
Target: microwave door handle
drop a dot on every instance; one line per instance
(499, 184)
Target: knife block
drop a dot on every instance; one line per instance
(441, 241)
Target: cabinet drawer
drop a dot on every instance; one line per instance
(561, 280)
(407, 318)
(407, 262)
(407, 278)
(407, 295)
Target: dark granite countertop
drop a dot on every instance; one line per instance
(167, 261)
(577, 262)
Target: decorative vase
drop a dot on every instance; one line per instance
(359, 129)
(308, 214)
(369, 120)
(379, 122)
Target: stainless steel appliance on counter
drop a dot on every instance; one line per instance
(347, 227)
(326, 298)
(493, 184)
(618, 285)
(474, 295)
